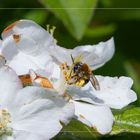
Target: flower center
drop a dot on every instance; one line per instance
(79, 74)
(75, 74)
(5, 119)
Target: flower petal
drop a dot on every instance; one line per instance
(99, 117)
(2, 61)
(9, 86)
(23, 135)
(0, 44)
(21, 63)
(60, 84)
(29, 29)
(84, 94)
(31, 41)
(61, 54)
(93, 55)
(41, 112)
(114, 92)
(96, 55)
(8, 137)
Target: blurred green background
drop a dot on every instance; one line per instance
(80, 22)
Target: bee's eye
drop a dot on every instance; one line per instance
(75, 68)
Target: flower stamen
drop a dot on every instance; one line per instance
(5, 119)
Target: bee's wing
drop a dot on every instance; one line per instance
(94, 82)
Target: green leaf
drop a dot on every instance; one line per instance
(100, 31)
(78, 130)
(128, 121)
(117, 10)
(75, 14)
(38, 16)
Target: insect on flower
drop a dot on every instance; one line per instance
(27, 46)
(79, 73)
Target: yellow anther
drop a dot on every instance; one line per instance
(52, 30)
(66, 78)
(48, 27)
(65, 73)
(4, 118)
(1, 126)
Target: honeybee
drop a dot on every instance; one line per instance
(79, 74)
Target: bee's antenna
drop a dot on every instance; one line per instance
(72, 58)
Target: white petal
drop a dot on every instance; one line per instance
(21, 63)
(9, 49)
(42, 112)
(84, 94)
(7, 138)
(56, 73)
(60, 85)
(31, 40)
(52, 71)
(23, 135)
(99, 117)
(0, 45)
(9, 86)
(2, 61)
(29, 29)
(31, 93)
(61, 54)
(114, 92)
(94, 55)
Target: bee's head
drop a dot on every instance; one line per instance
(77, 66)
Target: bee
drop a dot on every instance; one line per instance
(79, 74)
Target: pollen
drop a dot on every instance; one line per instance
(80, 83)
(66, 78)
(65, 73)
(5, 119)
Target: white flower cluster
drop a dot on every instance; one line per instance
(30, 55)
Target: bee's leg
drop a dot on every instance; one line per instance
(72, 79)
(94, 82)
(74, 75)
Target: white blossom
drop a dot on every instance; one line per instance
(31, 113)
(27, 46)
